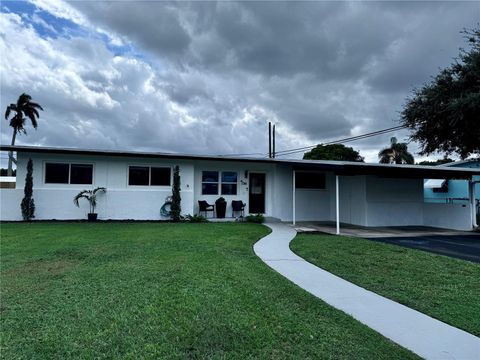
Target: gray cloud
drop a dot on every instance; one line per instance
(212, 75)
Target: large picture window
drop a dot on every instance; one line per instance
(149, 176)
(64, 173)
(215, 181)
(310, 180)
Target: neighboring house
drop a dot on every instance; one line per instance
(453, 191)
(7, 182)
(290, 190)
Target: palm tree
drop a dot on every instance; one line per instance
(91, 197)
(23, 108)
(397, 153)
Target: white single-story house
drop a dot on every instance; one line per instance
(289, 190)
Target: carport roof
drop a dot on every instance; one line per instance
(338, 167)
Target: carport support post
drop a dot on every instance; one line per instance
(471, 195)
(337, 204)
(293, 197)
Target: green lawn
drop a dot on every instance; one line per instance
(151, 290)
(444, 288)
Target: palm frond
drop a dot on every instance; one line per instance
(102, 189)
(36, 106)
(86, 194)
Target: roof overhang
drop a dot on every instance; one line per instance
(344, 168)
(434, 183)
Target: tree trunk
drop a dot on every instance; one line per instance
(10, 153)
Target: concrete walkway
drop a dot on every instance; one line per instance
(425, 336)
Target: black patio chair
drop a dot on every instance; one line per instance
(238, 206)
(205, 207)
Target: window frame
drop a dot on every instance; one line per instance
(219, 182)
(150, 176)
(69, 163)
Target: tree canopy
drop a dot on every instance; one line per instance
(444, 114)
(445, 160)
(397, 153)
(333, 152)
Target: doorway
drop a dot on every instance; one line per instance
(256, 193)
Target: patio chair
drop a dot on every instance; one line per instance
(205, 207)
(238, 206)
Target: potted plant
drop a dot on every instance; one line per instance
(221, 207)
(91, 196)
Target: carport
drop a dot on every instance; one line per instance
(379, 195)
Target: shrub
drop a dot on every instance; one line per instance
(175, 207)
(28, 205)
(196, 218)
(258, 218)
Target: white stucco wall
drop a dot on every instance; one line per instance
(449, 216)
(394, 202)
(242, 183)
(121, 201)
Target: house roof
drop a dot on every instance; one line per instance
(338, 167)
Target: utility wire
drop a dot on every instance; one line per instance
(345, 140)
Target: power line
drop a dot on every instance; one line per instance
(345, 140)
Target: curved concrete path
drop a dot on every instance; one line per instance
(425, 336)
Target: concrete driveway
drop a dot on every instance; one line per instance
(463, 245)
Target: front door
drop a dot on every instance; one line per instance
(256, 194)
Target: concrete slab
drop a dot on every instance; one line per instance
(425, 336)
(374, 232)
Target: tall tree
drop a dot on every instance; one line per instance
(28, 205)
(445, 160)
(333, 152)
(176, 208)
(23, 109)
(444, 114)
(397, 153)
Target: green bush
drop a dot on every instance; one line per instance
(258, 218)
(196, 218)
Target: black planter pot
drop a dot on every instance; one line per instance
(221, 208)
(92, 217)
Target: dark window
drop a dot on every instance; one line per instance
(210, 176)
(229, 189)
(229, 183)
(210, 182)
(56, 173)
(209, 189)
(81, 174)
(309, 180)
(160, 176)
(138, 175)
(229, 177)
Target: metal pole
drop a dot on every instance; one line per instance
(273, 151)
(293, 197)
(269, 140)
(337, 204)
(471, 195)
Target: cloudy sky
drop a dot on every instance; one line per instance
(207, 77)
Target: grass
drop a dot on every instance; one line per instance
(439, 286)
(150, 290)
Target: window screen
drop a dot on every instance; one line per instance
(81, 174)
(56, 173)
(310, 180)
